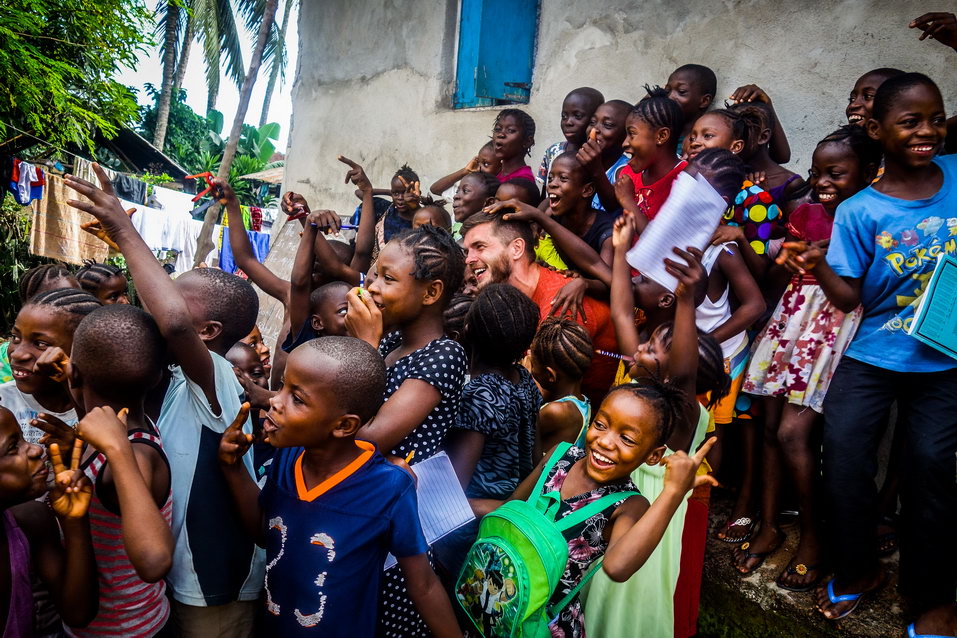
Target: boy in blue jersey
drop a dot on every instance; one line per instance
(332, 507)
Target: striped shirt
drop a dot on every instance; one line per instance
(129, 607)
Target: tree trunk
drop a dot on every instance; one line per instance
(169, 70)
(274, 75)
(183, 58)
(204, 242)
(212, 94)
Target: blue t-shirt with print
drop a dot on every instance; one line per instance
(612, 175)
(893, 245)
(324, 557)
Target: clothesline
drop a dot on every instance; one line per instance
(39, 139)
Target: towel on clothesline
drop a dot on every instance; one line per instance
(55, 231)
(259, 241)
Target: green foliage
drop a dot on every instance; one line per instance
(57, 61)
(184, 128)
(15, 259)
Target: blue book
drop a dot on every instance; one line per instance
(935, 321)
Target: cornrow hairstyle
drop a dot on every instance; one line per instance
(758, 117)
(73, 303)
(228, 299)
(406, 173)
(703, 75)
(867, 149)
(710, 377)
(454, 316)
(744, 127)
(660, 111)
(436, 256)
(723, 169)
(94, 274)
(888, 92)
(505, 230)
(563, 345)
(120, 352)
(525, 122)
(501, 324)
(666, 398)
(37, 278)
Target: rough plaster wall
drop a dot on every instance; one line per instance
(375, 77)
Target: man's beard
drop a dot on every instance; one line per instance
(500, 270)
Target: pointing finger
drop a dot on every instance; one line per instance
(347, 161)
(240, 419)
(704, 449)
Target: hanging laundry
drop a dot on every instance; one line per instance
(130, 189)
(55, 231)
(84, 170)
(26, 182)
(255, 218)
(259, 241)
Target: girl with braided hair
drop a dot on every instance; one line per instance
(106, 282)
(401, 314)
(42, 337)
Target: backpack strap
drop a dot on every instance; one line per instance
(557, 608)
(583, 514)
(556, 456)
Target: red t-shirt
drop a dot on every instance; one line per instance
(524, 171)
(598, 323)
(652, 197)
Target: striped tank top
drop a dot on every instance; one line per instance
(129, 607)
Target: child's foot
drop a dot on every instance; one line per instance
(804, 571)
(750, 555)
(736, 530)
(940, 621)
(887, 536)
(857, 589)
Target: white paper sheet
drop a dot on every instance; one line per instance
(688, 218)
(443, 507)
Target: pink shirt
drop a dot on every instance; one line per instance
(524, 171)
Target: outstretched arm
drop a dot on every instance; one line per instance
(155, 287)
(445, 183)
(365, 235)
(622, 292)
(233, 445)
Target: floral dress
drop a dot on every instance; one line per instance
(586, 541)
(796, 354)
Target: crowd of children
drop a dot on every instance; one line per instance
(165, 474)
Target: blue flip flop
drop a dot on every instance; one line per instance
(912, 633)
(834, 598)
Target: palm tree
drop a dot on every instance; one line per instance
(169, 23)
(277, 57)
(204, 243)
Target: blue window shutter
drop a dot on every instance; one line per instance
(496, 52)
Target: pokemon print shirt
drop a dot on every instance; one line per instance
(893, 245)
(326, 546)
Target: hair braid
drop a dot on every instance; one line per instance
(94, 274)
(436, 256)
(723, 169)
(660, 111)
(564, 345)
(501, 324)
(72, 302)
(32, 281)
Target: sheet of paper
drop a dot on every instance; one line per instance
(935, 321)
(443, 507)
(688, 218)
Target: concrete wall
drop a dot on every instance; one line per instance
(375, 77)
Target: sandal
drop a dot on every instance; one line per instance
(887, 543)
(761, 556)
(834, 598)
(744, 521)
(912, 633)
(800, 569)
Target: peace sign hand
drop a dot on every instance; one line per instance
(235, 443)
(681, 470)
(72, 490)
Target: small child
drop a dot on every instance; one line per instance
(248, 365)
(520, 188)
(332, 507)
(651, 136)
(251, 376)
(474, 192)
(255, 341)
(434, 215)
(692, 87)
(216, 569)
(132, 506)
(602, 155)
(578, 109)
(485, 162)
(42, 331)
(492, 443)
(560, 357)
(32, 535)
(513, 136)
(106, 282)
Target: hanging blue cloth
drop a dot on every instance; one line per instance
(259, 241)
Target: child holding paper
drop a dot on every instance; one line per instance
(883, 248)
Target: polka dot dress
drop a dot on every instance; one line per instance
(755, 211)
(442, 364)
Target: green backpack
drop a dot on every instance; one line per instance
(517, 560)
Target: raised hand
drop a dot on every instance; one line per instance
(222, 191)
(56, 431)
(356, 175)
(103, 203)
(938, 26)
(72, 490)
(325, 220)
(95, 229)
(681, 470)
(589, 155)
(235, 443)
(104, 429)
(363, 318)
(474, 165)
(623, 233)
(749, 93)
(294, 204)
(625, 192)
(691, 275)
(54, 363)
